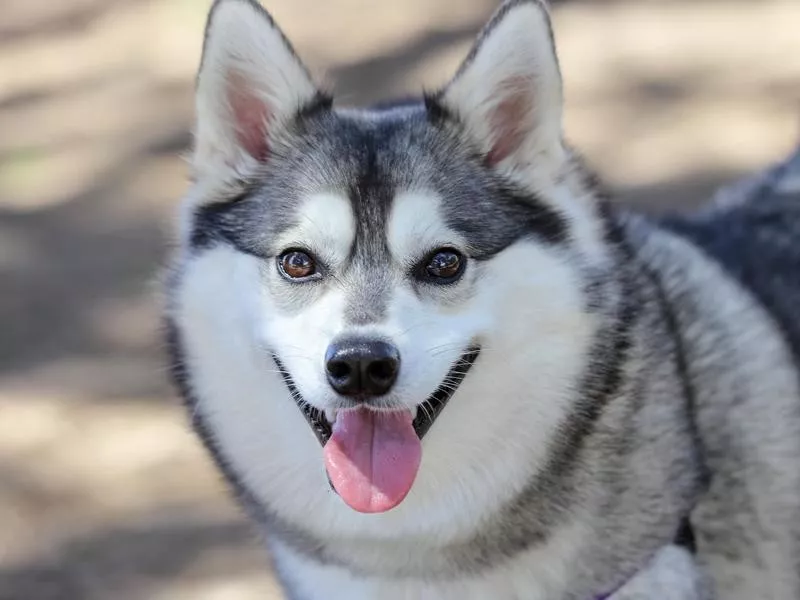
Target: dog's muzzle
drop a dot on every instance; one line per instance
(427, 414)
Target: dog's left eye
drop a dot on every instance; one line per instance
(444, 266)
(296, 264)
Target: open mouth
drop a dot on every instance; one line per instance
(372, 456)
(426, 415)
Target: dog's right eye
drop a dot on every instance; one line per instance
(297, 265)
(443, 266)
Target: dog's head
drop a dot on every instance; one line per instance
(411, 282)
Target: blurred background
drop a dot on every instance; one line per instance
(104, 493)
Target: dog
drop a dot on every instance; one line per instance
(433, 360)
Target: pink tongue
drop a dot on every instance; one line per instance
(372, 458)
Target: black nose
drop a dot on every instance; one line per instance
(362, 368)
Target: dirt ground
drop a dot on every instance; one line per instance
(104, 493)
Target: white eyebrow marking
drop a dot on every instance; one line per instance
(416, 225)
(326, 224)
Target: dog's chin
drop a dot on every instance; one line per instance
(427, 411)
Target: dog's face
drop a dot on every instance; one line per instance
(409, 284)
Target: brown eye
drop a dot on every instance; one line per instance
(444, 265)
(296, 264)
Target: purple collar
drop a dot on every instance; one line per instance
(607, 596)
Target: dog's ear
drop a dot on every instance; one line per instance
(507, 93)
(250, 84)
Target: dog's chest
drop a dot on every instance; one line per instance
(670, 575)
(422, 573)
(306, 580)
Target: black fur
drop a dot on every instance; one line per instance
(371, 160)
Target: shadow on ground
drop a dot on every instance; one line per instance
(90, 174)
(92, 567)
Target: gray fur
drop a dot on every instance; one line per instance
(371, 157)
(748, 521)
(687, 405)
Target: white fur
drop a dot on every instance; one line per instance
(673, 572)
(474, 458)
(516, 60)
(519, 49)
(243, 43)
(525, 307)
(416, 226)
(533, 576)
(327, 224)
(327, 228)
(537, 574)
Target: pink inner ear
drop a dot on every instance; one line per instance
(250, 114)
(510, 119)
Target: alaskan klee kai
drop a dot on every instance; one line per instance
(434, 362)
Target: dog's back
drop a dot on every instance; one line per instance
(753, 230)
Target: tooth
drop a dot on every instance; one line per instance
(330, 414)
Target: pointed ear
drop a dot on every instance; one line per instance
(507, 93)
(250, 84)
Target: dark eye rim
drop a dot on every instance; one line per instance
(318, 266)
(424, 275)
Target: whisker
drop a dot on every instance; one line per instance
(412, 327)
(444, 348)
(428, 415)
(303, 356)
(455, 349)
